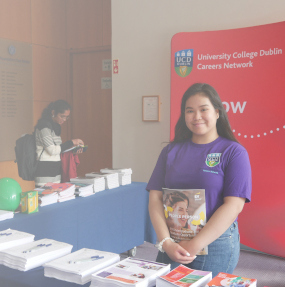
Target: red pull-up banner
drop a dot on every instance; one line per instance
(247, 68)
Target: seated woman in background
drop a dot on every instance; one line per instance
(49, 143)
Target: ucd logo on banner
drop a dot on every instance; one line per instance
(213, 159)
(183, 62)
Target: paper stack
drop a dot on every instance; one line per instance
(78, 266)
(130, 272)
(225, 279)
(98, 182)
(65, 190)
(184, 276)
(34, 254)
(4, 214)
(111, 179)
(46, 196)
(11, 238)
(83, 189)
(125, 174)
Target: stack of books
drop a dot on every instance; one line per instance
(34, 254)
(46, 196)
(125, 174)
(4, 214)
(83, 189)
(184, 276)
(98, 182)
(225, 279)
(78, 266)
(10, 238)
(111, 179)
(130, 272)
(65, 190)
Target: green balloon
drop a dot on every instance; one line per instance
(10, 194)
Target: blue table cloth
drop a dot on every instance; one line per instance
(114, 220)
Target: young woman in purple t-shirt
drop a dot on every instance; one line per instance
(202, 131)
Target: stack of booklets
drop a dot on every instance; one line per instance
(46, 196)
(10, 238)
(130, 272)
(225, 279)
(184, 276)
(84, 189)
(98, 182)
(5, 214)
(64, 190)
(125, 174)
(111, 179)
(78, 266)
(34, 254)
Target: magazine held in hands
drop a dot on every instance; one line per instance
(185, 213)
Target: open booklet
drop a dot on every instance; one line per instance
(76, 148)
(185, 213)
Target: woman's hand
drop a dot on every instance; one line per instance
(78, 142)
(177, 253)
(189, 246)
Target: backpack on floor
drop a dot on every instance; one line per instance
(26, 156)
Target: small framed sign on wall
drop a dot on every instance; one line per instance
(150, 108)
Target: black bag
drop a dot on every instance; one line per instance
(26, 156)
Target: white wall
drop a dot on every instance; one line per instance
(141, 38)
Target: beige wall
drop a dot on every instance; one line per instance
(54, 28)
(141, 37)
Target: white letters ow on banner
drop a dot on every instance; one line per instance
(235, 107)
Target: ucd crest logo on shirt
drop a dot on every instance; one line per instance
(213, 159)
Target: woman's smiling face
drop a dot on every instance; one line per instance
(201, 118)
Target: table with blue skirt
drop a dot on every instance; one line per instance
(115, 220)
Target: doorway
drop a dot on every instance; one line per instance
(91, 97)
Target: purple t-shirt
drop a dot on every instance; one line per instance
(221, 167)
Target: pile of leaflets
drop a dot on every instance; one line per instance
(184, 276)
(97, 182)
(46, 196)
(65, 190)
(5, 214)
(34, 254)
(111, 179)
(78, 266)
(125, 174)
(10, 238)
(130, 272)
(225, 279)
(55, 192)
(83, 189)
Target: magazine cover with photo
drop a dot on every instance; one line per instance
(185, 213)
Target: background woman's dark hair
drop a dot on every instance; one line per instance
(59, 106)
(223, 126)
(174, 197)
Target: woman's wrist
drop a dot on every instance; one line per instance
(164, 241)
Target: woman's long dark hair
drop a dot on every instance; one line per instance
(59, 106)
(223, 126)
